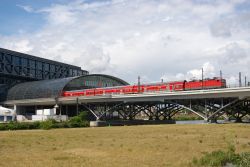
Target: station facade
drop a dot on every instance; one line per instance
(24, 77)
(16, 67)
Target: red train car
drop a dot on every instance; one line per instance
(167, 86)
(205, 84)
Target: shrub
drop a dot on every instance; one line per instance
(83, 115)
(75, 122)
(79, 121)
(64, 124)
(2, 126)
(244, 160)
(222, 158)
(48, 124)
(12, 126)
(35, 125)
(19, 125)
(22, 125)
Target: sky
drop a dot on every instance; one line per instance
(153, 39)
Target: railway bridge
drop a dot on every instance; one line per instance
(210, 104)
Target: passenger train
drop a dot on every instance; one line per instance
(214, 83)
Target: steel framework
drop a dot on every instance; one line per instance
(17, 67)
(208, 109)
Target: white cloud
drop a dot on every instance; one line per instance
(26, 8)
(220, 29)
(208, 72)
(154, 39)
(21, 45)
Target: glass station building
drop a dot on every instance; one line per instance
(17, 67)
(24, 78)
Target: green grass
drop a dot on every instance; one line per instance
(125, 146)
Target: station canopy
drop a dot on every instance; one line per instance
(54, 87)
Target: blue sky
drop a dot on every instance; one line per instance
(156, 39)
(14, 18)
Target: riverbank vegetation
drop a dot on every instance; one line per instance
(74, 122)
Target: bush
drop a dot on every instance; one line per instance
(19, 125)
(48, 124)
(244, 160)
(2, 126)
(64, 124)
(35, 125)
(79, 121)
(22, 125)
(12, 126)
(222, 158)
(83, 115)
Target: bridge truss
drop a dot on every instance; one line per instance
(210, 105)
(210, 109)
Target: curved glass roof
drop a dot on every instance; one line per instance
(94, 81)
(53, 88)
(38, 89)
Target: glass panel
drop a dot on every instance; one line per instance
(24, 62)
(1, 57)
(39, 65)
(79, 72)
(32, 73)
(16, 61)
(1, 118)
(32, 64)
(1, 67)
(9, 118)
(46, 66)
(70, 72)
(52, 68)
(8, 59)
(74, 72)
(39, 74)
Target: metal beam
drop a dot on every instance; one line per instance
(222, 108)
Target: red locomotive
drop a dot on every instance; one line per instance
(164, 86)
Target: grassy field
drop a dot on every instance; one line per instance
(159, 145)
